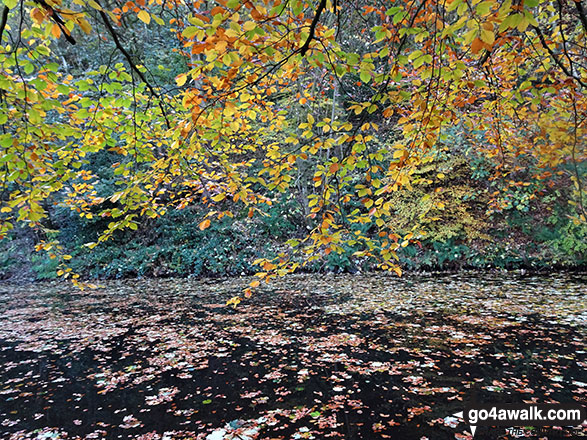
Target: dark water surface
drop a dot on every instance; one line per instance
(315, 356)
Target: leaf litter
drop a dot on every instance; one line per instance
(308, 357)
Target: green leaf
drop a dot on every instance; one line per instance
(297, 8)
(455, 4)
(392, 11)
(487, 36)
(190, 31)
(54, 67)
(10, 3)
(415, 54)
(5, 140)
(484, 8)
(399, 17)
(418, 62)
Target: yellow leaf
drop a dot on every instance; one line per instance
(219, 197)
(249, 25)
(95, 5)
(523, 24)
(234, 301)
(86, 27)
(144, 16)
(181, 79)
(487, 36)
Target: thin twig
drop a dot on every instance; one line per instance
(556, 59)
(132, 64)
(582, 15)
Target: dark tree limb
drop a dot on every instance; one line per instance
(133, 66)
(582, 15)
(57, 19)
(556, 59)
(302, 50)
(3, 21)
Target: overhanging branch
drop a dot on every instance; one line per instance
(3, 21)
(313, 25)
(582, 15)
(133, 66)
(556, 59)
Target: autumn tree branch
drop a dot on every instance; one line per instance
(582, 15)
(3, 21)
(556, 59)
(313, 25)
(57, 19)
(133, 66)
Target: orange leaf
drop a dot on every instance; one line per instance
(204, 224)
(37, 15)
(334, 167)
(477, 45)
(56, 31)
(216, 10)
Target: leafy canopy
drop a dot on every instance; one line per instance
(340, 101)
